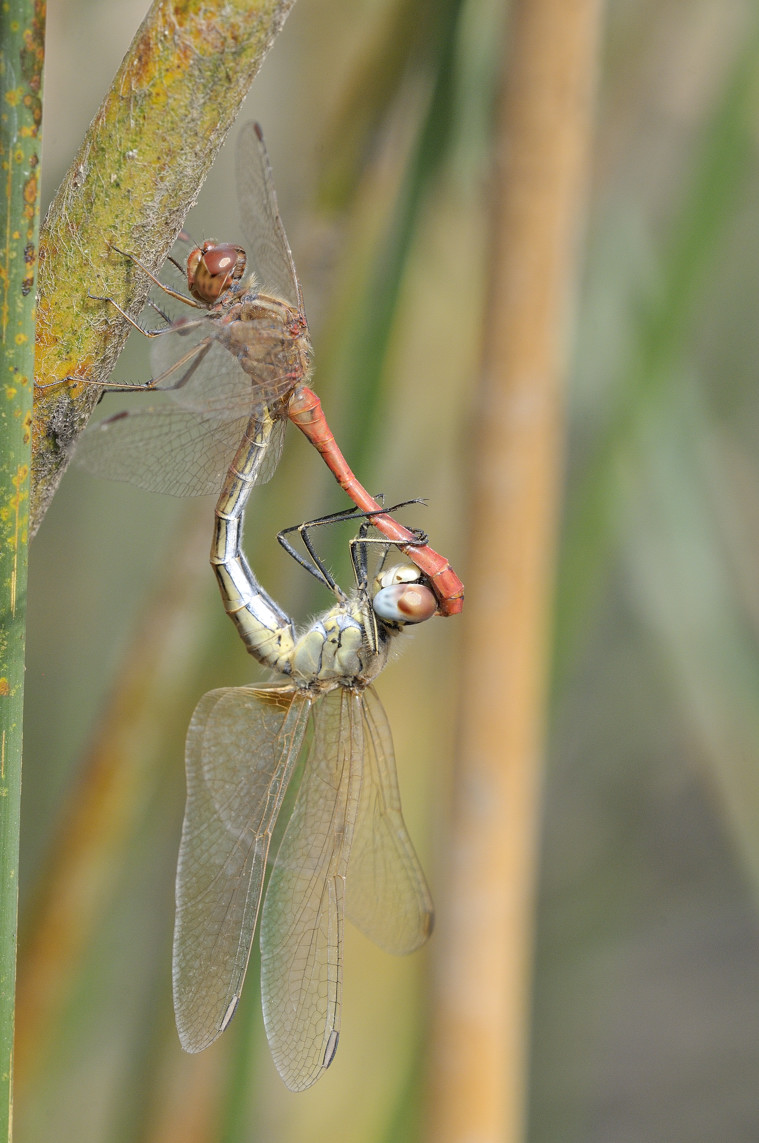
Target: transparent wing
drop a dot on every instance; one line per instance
(242, 745)
(386, 895)
(302, 918)
(199, 363)
(269, 250)
(135, 446)
(197, 369)
(183, 449)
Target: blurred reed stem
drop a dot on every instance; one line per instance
(370, 337)
(22, 38)
(118, 778)
(481, 1006)
(723, 161)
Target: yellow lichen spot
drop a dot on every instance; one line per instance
(77, 386)
(5, 689)
(14, 96)
(21, 339)
(10, 392)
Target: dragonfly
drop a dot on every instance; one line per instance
(236, 372)
(345, 850)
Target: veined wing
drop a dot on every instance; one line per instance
(198, 362)
(197, 370)
(242, 745)
(268, 248)
(386, 894)
(302, 918)
(176, 448)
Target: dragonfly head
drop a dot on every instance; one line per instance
(401, 596)
(213, 268)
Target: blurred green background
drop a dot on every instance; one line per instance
(378, 118)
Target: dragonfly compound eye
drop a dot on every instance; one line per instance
(212, 268)
(404, 603)
(399, 573)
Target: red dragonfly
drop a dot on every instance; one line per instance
(239, 372)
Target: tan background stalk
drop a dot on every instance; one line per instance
(482, 1001)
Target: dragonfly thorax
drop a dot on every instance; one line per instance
(342, 647)
(349, 645)
(262, 333)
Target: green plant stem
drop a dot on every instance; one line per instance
(371, 339)
(22, 30)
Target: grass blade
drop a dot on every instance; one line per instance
(22, 31)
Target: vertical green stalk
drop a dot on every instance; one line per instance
(22, 29)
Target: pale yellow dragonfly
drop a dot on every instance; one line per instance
(345, 850)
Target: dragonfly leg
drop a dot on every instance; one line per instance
(192, 359)
(139, 386)
(157, 281)
(134, 324)
(317, 568)
(354, 513)
(162, 313)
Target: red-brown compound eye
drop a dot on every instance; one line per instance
(405, 603)
(213, 268)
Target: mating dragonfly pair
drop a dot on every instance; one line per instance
(236, 373)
